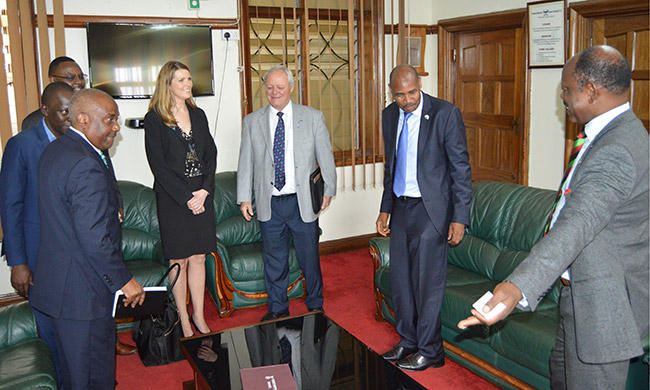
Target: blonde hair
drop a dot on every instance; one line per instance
(162, 100)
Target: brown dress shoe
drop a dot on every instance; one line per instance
(125, 349)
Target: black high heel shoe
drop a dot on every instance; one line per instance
(197, 328)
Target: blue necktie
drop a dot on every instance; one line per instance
(103, 156)
(278, 153)
(399, 179)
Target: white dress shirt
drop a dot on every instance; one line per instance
(82, 135)
(412, 188)
(289, 169)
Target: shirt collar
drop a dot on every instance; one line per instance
(50, 136)
(287, 111)
(82, 135)
(596, 125)
(418, 111)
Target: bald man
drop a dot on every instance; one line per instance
(80, 265)
(427, 193)
(19, 196)
(598, 237)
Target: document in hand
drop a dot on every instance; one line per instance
(154, 303)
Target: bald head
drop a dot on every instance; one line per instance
(604, 66)
(54, 107)
(403, 72)
(405, 85)
(94, 113)
(594, 81)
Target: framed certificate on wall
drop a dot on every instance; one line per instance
(547, 33)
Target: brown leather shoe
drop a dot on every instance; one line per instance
(125, 349)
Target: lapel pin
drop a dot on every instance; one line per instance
(426, 116)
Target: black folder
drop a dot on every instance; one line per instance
(317, 187)
(154, 303)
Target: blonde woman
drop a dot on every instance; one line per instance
(182, 157)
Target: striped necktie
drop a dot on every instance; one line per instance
(103, 156)
(577, 146)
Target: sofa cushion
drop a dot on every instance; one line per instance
(16, 324)
(246, 263)
(225, 196)
(27, 364)
(527, 338)
(235, 230)
(457, 303)
(138, 244)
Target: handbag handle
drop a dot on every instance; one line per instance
(160, 282)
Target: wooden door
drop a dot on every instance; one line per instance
(623, 25)
(630, 35)
(488, 91)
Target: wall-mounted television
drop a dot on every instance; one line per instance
(124, 59)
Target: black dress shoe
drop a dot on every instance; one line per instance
(274, 316)
(418, 362)
(397, 353)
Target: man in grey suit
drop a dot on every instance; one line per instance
(281, 145)
(598, 240)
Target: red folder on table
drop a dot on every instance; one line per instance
(276, 377)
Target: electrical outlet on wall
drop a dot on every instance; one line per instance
(230, 35)
(194, 4)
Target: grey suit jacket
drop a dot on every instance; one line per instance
(256, 171)
(601, 235)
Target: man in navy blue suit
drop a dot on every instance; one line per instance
(427, 194)
(80, 265)
(19, 196)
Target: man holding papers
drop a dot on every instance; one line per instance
(598, 237)
(79, 265)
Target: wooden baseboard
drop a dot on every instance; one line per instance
(345, 244)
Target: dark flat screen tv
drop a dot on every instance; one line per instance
(124, 59)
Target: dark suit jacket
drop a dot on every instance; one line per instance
(80, 263)
(19, 195)
(443, 171)
(166, 150)
(32, 119)
(601, 235)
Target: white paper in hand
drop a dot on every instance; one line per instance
(478, 305)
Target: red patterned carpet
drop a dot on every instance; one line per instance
(349, 301)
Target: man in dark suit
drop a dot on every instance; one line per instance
(65, 69)
(80, 265)
(62, 69)
(282, 144)
(427, 193)
(19, 196)
(598, 237)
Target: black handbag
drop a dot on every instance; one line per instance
(158, 337)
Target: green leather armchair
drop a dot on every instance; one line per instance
(141, 245)
(235, 272)
(25, 359)
(506, 221)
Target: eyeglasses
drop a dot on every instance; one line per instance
(69, 79)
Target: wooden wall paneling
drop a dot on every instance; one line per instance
(17, 64)
(43, 40)
(79, 21)
(59, 28)
(362, 91)
(5, 116)
(351, 83)
(29, 55)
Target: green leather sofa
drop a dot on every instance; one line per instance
(506, 221)
(25, 359)
(235, 272)
(141, 245)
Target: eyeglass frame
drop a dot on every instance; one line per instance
(81, 77)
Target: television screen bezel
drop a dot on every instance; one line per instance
(130, 97)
